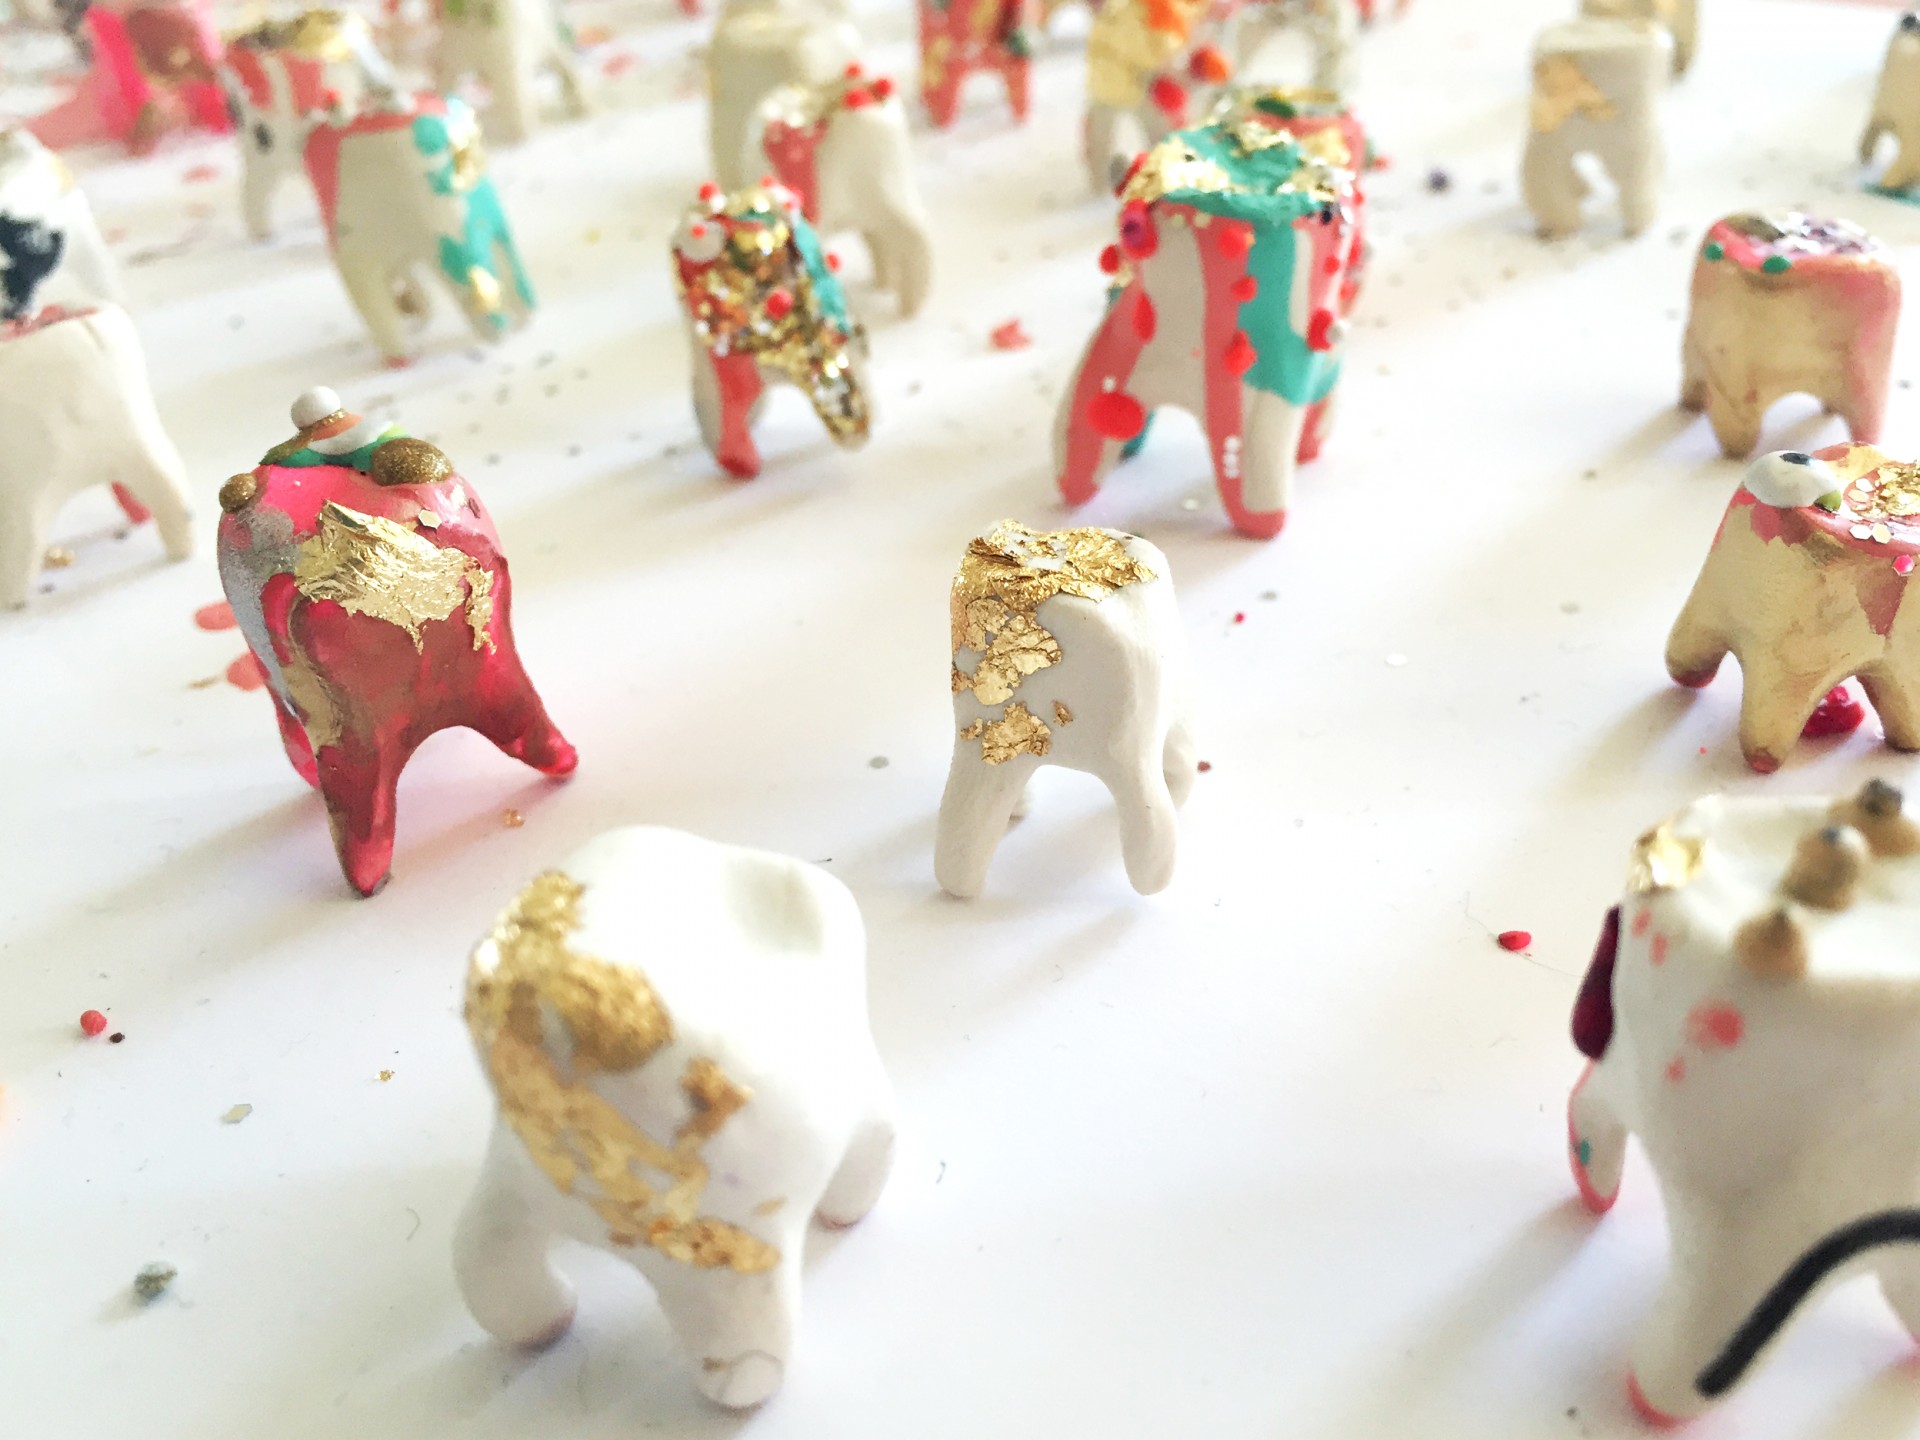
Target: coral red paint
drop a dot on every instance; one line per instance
(1641, 920)
(1116, 415)
(1320, 326)
(1010, 336)
(246, 673)
(779, 304)
(1110, 259)
(882, 89)
(1716, 1027)
(1240, 354)
(1244, 289)
(1676, 1070)
(1169, 97)
(1657, 950)
(1204, 766)
(217, 616)
(92, 1022)
(1145, 321)
(1515, 939)
(1838, 713)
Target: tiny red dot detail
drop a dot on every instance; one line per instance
(1515, 939)
(92, 1022)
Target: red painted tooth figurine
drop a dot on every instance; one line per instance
(368, 580)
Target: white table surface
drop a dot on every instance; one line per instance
(1277, 1153)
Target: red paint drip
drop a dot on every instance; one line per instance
(217, 616)
(1240, 353)
(131, 507)
(1716, 1027)
(246, 673)
(1010, 336)
(1320, 327)
(1838, 713)
(92, 1022)
(1116, 415)
(1144, 320)
(1515, 939)
(1110, 259)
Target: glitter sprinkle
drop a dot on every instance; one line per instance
(512, 818)
(236, 1114)
(58, 557)
(1204, 766)
(385, 1075)
(1663, 860)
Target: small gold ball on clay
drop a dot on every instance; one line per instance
(407, 461)
(239, 492)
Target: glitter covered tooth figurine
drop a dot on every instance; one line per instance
(1237, 262)
(369, 583)
(762, 304)
(1596, 91)
(958, 37)
(1067, 650)
(403, 186)
(76, 410)
(283, 78)
(1753, 1015)
(1788, 303)
(48, 237)
(676, 1033)
(156, 67)
(1896, 108)
(843, 149)
(1806, 585)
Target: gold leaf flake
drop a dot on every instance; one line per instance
(385, 1075)
(320, 712)
(371, 566)
(58, 557)
(770, 1207)
(1895, 495)
(1061, 713)
(235, 1115)
(974, 731)
(1561, 90)
(1174, 165)
(1018, 731)
(582, 1141)
(1860, 460)
(512, 818)
(480, 605)
(1663, 860)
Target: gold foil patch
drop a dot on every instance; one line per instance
(1895, 493)
(1061, 714)
(371, 566)
(312, 697)
(1561, 90)
(580, 1140)
(1174, 165)
(1018, 731)
(1663, 860)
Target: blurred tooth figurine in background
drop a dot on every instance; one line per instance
(1679, 18)
(48, 238)
(958, 37)
(762, 304)
(758, 47)
(1806, 585)
(283, 78)
(843, 149)
(1596, 91)
(1153, 66)
(1751, 1015)
(1331, 28)
(676, 1033)
(1067, 650)
(403, 186)
(1896, 108)
(156, 66)
(76, 410)
(1231, 282)
(1784, 304)
(507, 45)
(369, 583)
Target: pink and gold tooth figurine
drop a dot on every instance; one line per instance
(1237, 263)
(958, 37)
(676, 1034)
(283, 78)
(76, 410)
(762, 304)
(1753, 1015)
(156, 67)
(1896, 108)
(843, 149)
(1067, 650)
(1783, 304)
(369, 583)
(1806, 585)
(403, 188)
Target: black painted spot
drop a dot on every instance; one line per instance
(262, 136)
(1796, 457)
(1593, 1010)
(32, 250)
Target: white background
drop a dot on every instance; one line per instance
(1277, 1153)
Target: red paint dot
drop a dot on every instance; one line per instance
(1144, 319)
(1903, 565)
(833, 261)
(1240, 354)
(1331, 265)
(1244, 289)
(1204, 766)
(1657, 951)
(92, 1022)
(853, 71)
(1838, 713)
(246, 673)
(1641, 920)
(779, 304)
(1320, 330)
(882, 88)
(858, 100)
(1110, 259)
(1716, 1027)
(1116, 415)
(1169, 97)
(1239, 617)
(1676, 1070)
(1010, 336)
(218, 616)
(1515, 939)
(1235, 239)
(709, 191)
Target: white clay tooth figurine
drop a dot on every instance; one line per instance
(759, 46)
(403, 190)
(1784, 304)
(1331, 27)
(509, 45)
(843, 149)
(1067, 650)
(1752, 1013)
(763, 306)
(1805, 584)
(76, 410)
(1596, 91)
(282, 78)
(1896, 108)
(676, 1033)
(48, 238)
(1679, 18)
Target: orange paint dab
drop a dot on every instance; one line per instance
(1716, 1027)
(246, 674)
(218, 616)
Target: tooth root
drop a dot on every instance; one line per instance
(1772, 946)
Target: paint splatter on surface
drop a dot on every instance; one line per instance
(218, 616)
(1840, 712)
(246, 674)
(1010, 336)
(1514, 939)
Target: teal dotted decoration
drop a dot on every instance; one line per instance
(1585, 1151)
(1715, 250)
(1776, 265)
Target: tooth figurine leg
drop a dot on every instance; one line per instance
(737, 1329)
(862, 1175)
(974, 813)
(501, 1256)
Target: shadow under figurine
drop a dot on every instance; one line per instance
(762, 303)
(1749, 1014)
(676, 1033)
(369, 583)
